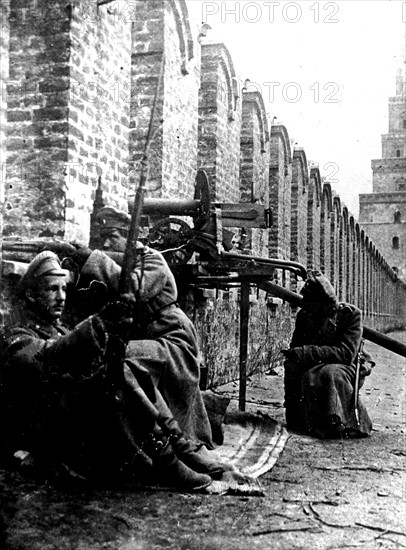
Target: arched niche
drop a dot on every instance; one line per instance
(255, 101)
(315, 184)
(217, 63)
(186, 44)
(254, 146)
(300, 170)
(280, 138)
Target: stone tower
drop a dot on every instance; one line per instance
(383, 212)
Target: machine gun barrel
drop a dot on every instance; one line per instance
(295, 267)
(368, 333)
(169, 207)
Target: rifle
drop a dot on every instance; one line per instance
(130, 253)
(117, 344)
(356, 382)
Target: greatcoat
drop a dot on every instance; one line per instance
(164, 341)
(61, 405)
(320, 374)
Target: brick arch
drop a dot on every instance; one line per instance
(300, 162)
(367, 269)
(279, 131)
(219, 53)
(325, 229)
(186, 44)
(257, 101)
(313, 219)
(327, 196)
(254, 149)
(299, 205)
(344, 267)
(280, 173)
(352, 290)
(219, 123)
(316, 178)
(334, 244)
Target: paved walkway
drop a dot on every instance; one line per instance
(320, 495)
(332, 494)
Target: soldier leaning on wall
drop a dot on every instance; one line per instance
(65, 415)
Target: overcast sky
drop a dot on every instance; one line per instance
(325, 69)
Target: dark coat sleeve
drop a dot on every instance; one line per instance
(71, 353)
(342, 343)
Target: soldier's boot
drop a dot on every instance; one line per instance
(193, 455)
(169, 470)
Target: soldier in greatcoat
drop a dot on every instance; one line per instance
(164, 339)
(321, 392)
(66, 410)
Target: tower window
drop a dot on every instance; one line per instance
(397, 218)
(404, 124)
(398, 152)
(395, 243)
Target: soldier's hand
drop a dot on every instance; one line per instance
(60, 248)
(80, 254)
(117, 317)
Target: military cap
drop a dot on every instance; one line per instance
(44, 264)
(109, 217)
(318, 288)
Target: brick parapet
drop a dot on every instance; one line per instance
(182, 81)
(99, 110)
(280, 195)
(4, 77)
(254, 147)
(37, 116)
(54, 121)
(299, 207)
(313, 219)
(220, 115)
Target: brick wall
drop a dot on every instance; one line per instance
(182, 81)
(335, 219)
(254, 163)
(4, 76)
(81, 81)
(280, 194)
(313, 219)
(299, 207)
(37, 117)
(325, 231)
(98, 111)
(163, 27)
(67, 115)
(220, 113)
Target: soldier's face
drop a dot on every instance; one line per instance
(50, 297)
(113, 240)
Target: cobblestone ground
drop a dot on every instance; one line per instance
(320, 494)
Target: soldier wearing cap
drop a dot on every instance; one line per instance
(164, 340)
(320, 365)
(63, 407)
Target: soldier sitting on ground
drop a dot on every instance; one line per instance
(321, 393)
(68, 411)
(163, 339)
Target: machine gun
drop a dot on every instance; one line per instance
(210, 235)
(209, 238)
